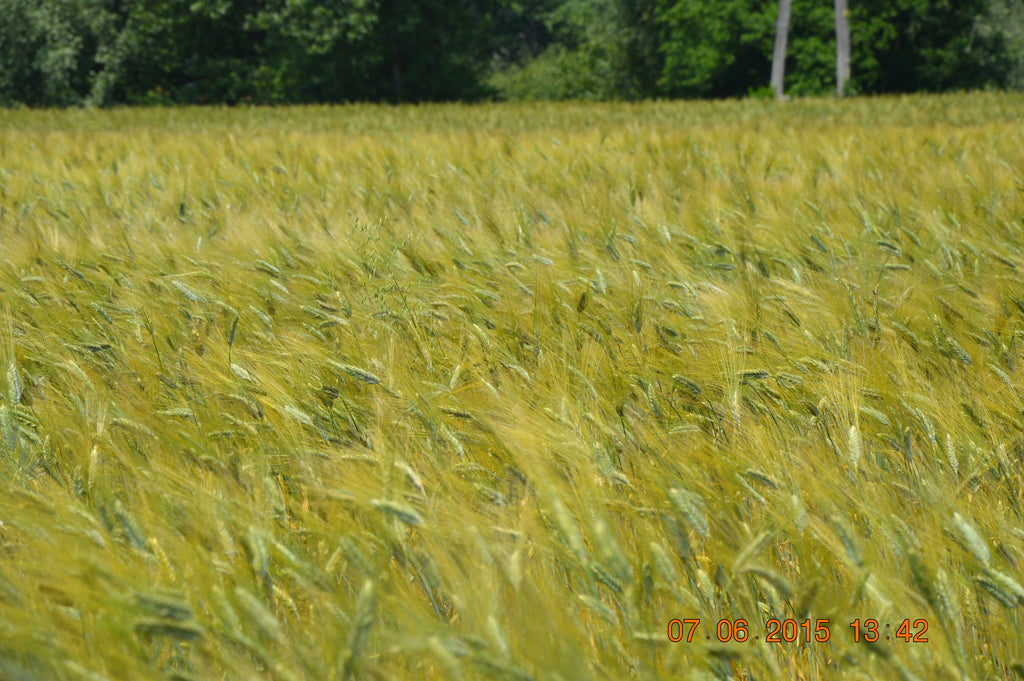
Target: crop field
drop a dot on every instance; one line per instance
(628, 391)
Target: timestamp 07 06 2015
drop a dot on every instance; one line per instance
(776, 631)
(792, 631)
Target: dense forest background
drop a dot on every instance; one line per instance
(106, 52)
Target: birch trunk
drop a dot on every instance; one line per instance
(842, 47)
(779, 57)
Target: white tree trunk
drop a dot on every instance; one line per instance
(842, 47)
(779, 57)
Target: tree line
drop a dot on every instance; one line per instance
(107, 52)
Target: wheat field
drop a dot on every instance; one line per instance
(514, 391)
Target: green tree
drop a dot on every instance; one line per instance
(717, 49)
(724, 49)
(60, 52)
(593, 49)
(72, 52)
(925, 45)
(432, 50)
(100, 52)
(1005, 21)
(312, 51)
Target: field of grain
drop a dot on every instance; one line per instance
(499, 392)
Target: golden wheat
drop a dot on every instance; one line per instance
(501, 391)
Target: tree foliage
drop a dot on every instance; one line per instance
(101, 52)
(721, 49)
